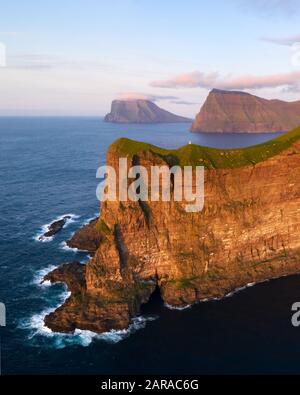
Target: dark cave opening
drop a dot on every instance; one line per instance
(155, 303)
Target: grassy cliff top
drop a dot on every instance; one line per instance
(210, 158)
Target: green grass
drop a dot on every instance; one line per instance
(210, 158)
(184, 283)
(102, 227)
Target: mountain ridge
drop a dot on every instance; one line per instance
(241, 112)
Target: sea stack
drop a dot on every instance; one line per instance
(240, 112)
(141, 111)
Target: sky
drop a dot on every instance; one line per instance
(74, 57)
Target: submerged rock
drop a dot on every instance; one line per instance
(55, 227)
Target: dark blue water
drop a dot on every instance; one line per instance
(48, 168)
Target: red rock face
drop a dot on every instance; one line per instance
(238, 112)
(249, 231)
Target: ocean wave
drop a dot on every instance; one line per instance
(250, 285)
(178, 308)
(36, 324)
(229, 295)
(39, 236)
(87, 221)
(86, 260)
(39, 276)
(63, 246)
(38, 330)
(232, 293)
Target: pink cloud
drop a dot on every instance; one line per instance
(144, 96)
(188, 80)
(213, 80)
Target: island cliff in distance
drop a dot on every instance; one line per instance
(240, 112)
(141, 112)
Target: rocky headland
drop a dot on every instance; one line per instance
(141, 111)
(240, 112)
(248, 232)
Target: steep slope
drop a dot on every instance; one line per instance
(140, 111)
(248, 231)
(237, 112)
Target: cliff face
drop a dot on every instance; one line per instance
(140, 111)
(237, 112)
(249, 231)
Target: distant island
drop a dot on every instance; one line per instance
(240, 112)
(141, 111)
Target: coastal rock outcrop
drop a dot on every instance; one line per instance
(141, 111)
(240, 112)
(87, 238)
(248, 232)
(55, 227)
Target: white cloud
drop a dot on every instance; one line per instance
(288, 41)
(40, 61)
(144, 96)
(202, 80)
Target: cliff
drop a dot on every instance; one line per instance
(248, 232)
(238, 112)
(140, 111)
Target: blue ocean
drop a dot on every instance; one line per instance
(48, 170)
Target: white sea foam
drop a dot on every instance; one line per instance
(232, 293)
(86, 259)
(86, 222)
(178, 308)
(39, 236)
(240, 290)
(229, 295)
(39, 277)
(36, 324)
(63, 246)
(37, 327)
